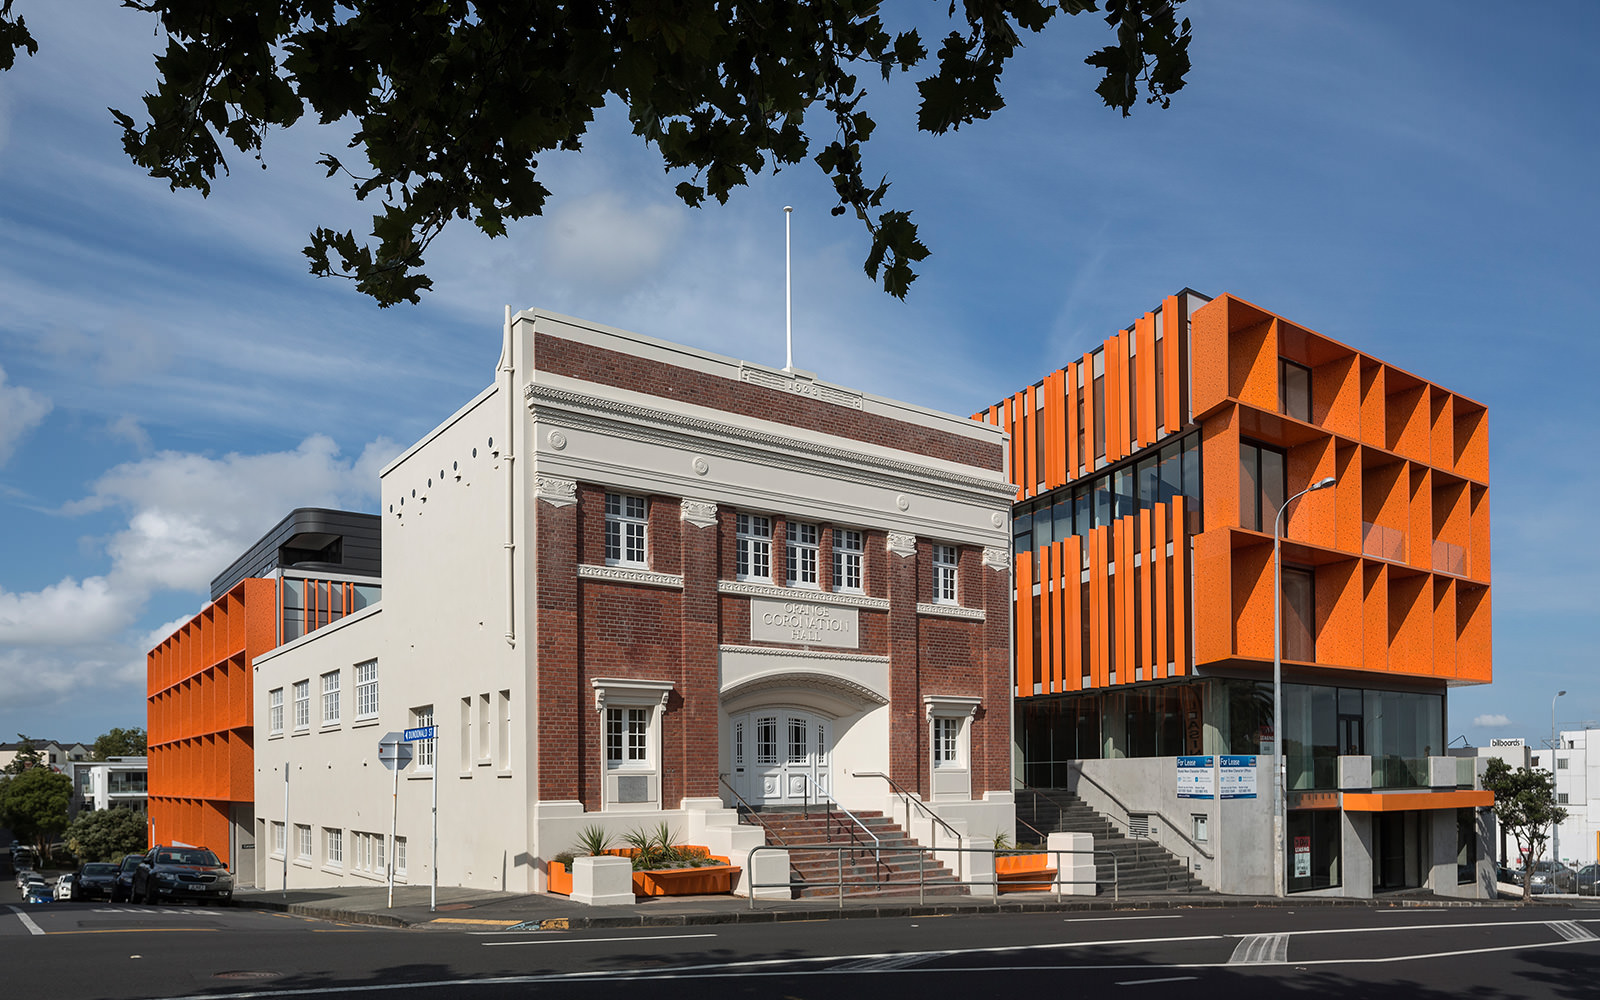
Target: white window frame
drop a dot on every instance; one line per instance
(275, 711)
(330, 698)
(427, 750)
(803, 545)
(626, 696)
(399, 856)
(333, 846)
(367, 690)
(627, 530)
(848, 546)
(753, 541)
(277, 832)
(950, 770)
(945, 564)
(302, 838)
(627, 738)
(946, 741)
(302, 705)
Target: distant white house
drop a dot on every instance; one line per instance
(57, 755)
(115, 783)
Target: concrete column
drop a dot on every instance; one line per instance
(1355, 850)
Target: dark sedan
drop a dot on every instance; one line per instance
(95, 881)
(173, 873)
(122, 886)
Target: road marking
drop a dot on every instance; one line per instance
(571, 940)
(1103, 920)
(468, 920)
(1261, 949)
(881, 964)
(1571, 930)
(141, 930)
(27, 921)
(1169, 979)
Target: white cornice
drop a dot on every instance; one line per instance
(747, 589)
(951, 611)
(628, 574)
(949, 704)
(696, 434)
(804, 654)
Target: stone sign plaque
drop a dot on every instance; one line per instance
(804, 623)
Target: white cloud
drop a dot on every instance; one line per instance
(187, 517)
(1492, 721)
(21, 410)
(129, 429)
(601, 242)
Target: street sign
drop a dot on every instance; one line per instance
(420, 733)
(394, 752)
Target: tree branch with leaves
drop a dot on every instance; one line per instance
(454, 101)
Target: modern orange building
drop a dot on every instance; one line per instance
(313, 568)
(1151, 471)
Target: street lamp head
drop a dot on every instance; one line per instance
(1560, 693)
(1321, 484)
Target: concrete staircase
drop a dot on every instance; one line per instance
(887, 869)
(1142, 865)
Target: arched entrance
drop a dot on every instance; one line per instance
(781, 756)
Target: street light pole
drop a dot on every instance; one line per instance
(1554, 743)
(1280, 783)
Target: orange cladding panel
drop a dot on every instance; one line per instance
(1074, 459)
(1208, 357)
(1089, 431)
(1025, 652)
(1181, 616)
(1173, 333)
(1099, 636)
(1145, 423)
(1161, 591)
(1143, 581)
(1030, 451)
(1072, 633)
(1047, 600)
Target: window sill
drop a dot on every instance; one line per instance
(301, 732)
(951, 611)
(328, 727)
(333, 869)
(364, 723)
(302, 863)
(274, 736)
(504, 773)
(421, 775)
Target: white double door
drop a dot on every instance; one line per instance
(781, 756)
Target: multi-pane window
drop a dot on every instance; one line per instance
(420, 717)
(1294, 390)
(798, 748)
(367, 853)
(945, 730)
(625, 530)
(944, 574)
(399, 855)
(333, 845)
(847, 560)
(801, 554)
(626, 742)
(275, 710)
(367, 689)
(302, 704)
(330, 698)
(1261, 485)
(767, 740)
(753, 539)
(302, 841)
(277, 839)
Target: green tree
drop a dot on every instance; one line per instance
(455, 100)
(1525, 805)
(120, 743)
(33, 805)
(28, 757)
(108, 834)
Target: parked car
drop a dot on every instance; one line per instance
(26, 874)
(38, 892)
(1552, 876)
(1508, 875)
(122, 887)
(1588, 880)
(94, 880)
(65, 886)
(170, 873)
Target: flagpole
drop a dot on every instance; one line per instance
(788, 293)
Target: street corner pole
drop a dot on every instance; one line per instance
(394, 812)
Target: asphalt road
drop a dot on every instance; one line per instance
(83, 950)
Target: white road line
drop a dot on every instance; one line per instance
(1571, 930)
(27, 921)
(569, 940)
(881, 964)
(1261, 949)
(1169, 979)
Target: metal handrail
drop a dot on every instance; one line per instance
(906, 797)
(1056, 882)
(723, 777)
(877, 845)
(1043, 837)
(1129, 813)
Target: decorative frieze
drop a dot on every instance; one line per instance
(999, 559)
(776, 593)
(951, 611)
(902, 544)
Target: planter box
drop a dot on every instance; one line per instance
(686, 881)
(1024, 873)
(663, 882)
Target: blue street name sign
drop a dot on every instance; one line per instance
(420, 733)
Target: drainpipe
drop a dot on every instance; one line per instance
(506, 373)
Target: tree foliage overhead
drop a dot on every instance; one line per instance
(120, 742)
(108, 834)
(1525, 805)
(455, 100)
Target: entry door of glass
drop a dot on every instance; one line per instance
(1350, 736)
(786, 761)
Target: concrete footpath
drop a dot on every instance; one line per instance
(475, 909)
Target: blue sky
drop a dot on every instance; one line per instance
(1412, 179)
